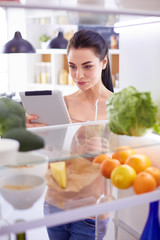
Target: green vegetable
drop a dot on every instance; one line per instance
(44, 38)
(132, 113)
(28, 140)
(13, 125)
(12, 114)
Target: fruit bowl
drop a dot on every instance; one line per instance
(22, 191)
(8, 150)
(28, 163)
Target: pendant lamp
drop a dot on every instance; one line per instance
(18, 45)
(58, 42)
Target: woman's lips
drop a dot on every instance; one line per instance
(81, 83)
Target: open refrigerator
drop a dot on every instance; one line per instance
(87, 192)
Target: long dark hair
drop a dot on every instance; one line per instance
(91, 39)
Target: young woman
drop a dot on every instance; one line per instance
(89, 68)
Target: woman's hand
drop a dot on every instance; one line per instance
(30, 124)
(91, 142)
(93, 146)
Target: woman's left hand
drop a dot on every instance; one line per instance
(94, 146)
(30, 124)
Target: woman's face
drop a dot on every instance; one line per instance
(85, 67)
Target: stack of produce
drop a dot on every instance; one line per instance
(132, 113)
(127, 169)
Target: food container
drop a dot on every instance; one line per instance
(8, 150)
(28, 163)
(22, 191)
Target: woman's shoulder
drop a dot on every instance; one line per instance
(71, 97)
(109, 93)
(106, 94)
(72, 101)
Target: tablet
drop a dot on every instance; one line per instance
(49, 105)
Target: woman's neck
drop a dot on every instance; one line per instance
(97, 92)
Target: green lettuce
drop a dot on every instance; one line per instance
(132, 113)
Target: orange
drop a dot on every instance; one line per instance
(123, 147)
(144, 182)
(100, 158)
(123, 176)
(155, 172)
(122, 153)
(108, 165)
(139, 162)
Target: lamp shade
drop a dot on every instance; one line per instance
(18, 45)
(58, 42)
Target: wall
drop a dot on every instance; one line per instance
(140, 58)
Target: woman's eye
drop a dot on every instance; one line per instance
(72, 66)
(88, 66)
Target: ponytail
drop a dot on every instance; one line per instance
(106, 77)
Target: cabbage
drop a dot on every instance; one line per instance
(132, 113)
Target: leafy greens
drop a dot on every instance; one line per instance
(132, 113)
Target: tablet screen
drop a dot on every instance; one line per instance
(49, 105)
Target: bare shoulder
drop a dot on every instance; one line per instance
(109, 93)
(72, 102)
(72, 97)
(106, 94)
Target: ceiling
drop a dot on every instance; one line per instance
(91, 12)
